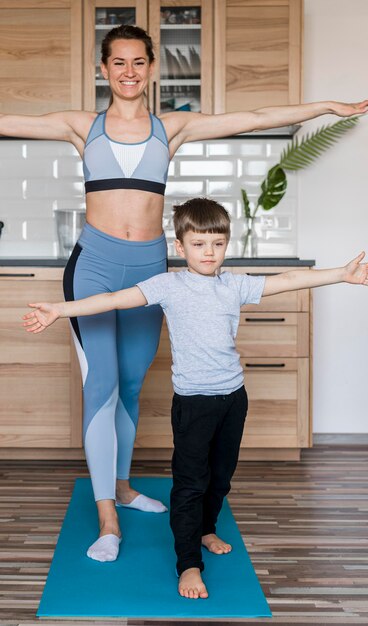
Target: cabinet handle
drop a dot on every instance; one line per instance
(13, 275)
(154, 97)
(265, 319)
(262, 273)
(255, 365)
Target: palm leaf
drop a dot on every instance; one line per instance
(246, 204)
(273, 188)
(301, 154)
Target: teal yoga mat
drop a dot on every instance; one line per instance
(142, 582)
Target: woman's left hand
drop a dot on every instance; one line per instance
(345, 110)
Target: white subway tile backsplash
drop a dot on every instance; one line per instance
(222, 148)
(10, 189)
(54, 189)
(27, 249)
(16, 168)
(38, 177)
(27, 209)
(274, 149)
(37, 149)
(11, 149)
(256, 168)
(23, 229)
(221, 187)
(250, 149)
(185, 188)
(78, 203)
(190, 149)
(207, 168)
(71, 166)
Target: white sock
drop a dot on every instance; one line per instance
(144, 503)
(106, 548)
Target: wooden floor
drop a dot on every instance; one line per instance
(305, 525)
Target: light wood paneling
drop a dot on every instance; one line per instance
(40, 56)
(278, 402)
(258, 54)
(40, 384)
(270, 334)
(35, 405)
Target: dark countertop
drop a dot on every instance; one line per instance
(173, 262)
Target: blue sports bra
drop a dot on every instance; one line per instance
(109, 164)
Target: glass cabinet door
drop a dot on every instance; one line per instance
(99, 17)
(182, 36)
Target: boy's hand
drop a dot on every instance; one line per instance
(43, 316)
(356, 272)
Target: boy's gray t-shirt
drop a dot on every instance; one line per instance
(202, 314)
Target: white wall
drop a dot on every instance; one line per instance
(333, 213)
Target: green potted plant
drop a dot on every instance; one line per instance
(296, 156)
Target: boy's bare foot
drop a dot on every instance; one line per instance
(191, 584)
(214, 544)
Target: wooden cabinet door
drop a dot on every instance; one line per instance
(273, 334)
(182, 35)
(40, 385)
(154, 427)
(100, 16)
(278, 415)
(258, 54)
(40, 56)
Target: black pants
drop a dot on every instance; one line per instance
(207, 435)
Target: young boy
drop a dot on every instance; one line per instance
(202, 309)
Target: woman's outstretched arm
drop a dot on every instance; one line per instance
(72, 126)
(189, 126)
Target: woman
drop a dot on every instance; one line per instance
(126, 153)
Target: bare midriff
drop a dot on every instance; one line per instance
(126, 213)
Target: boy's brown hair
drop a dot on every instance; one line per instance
(201, 215)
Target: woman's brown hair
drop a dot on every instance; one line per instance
(126, 31)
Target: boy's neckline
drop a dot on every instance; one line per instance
(201, 276)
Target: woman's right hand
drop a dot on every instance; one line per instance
(44, 315)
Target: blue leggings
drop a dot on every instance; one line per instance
(115, 349)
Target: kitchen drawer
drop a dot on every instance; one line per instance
(298, 301)
(35, 408)
(278, 403)
(154, 427)
(289, 301)
(40, 382)
(273, 334)
(18, 346)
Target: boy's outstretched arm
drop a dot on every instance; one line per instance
(354, 272)
(46, 313)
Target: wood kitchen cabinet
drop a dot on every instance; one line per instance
(212, 56)
(182, 32)
(40, 56)
(273, 341)
(258, 54)
(99, 17)
(40, 384)
(182, 36)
